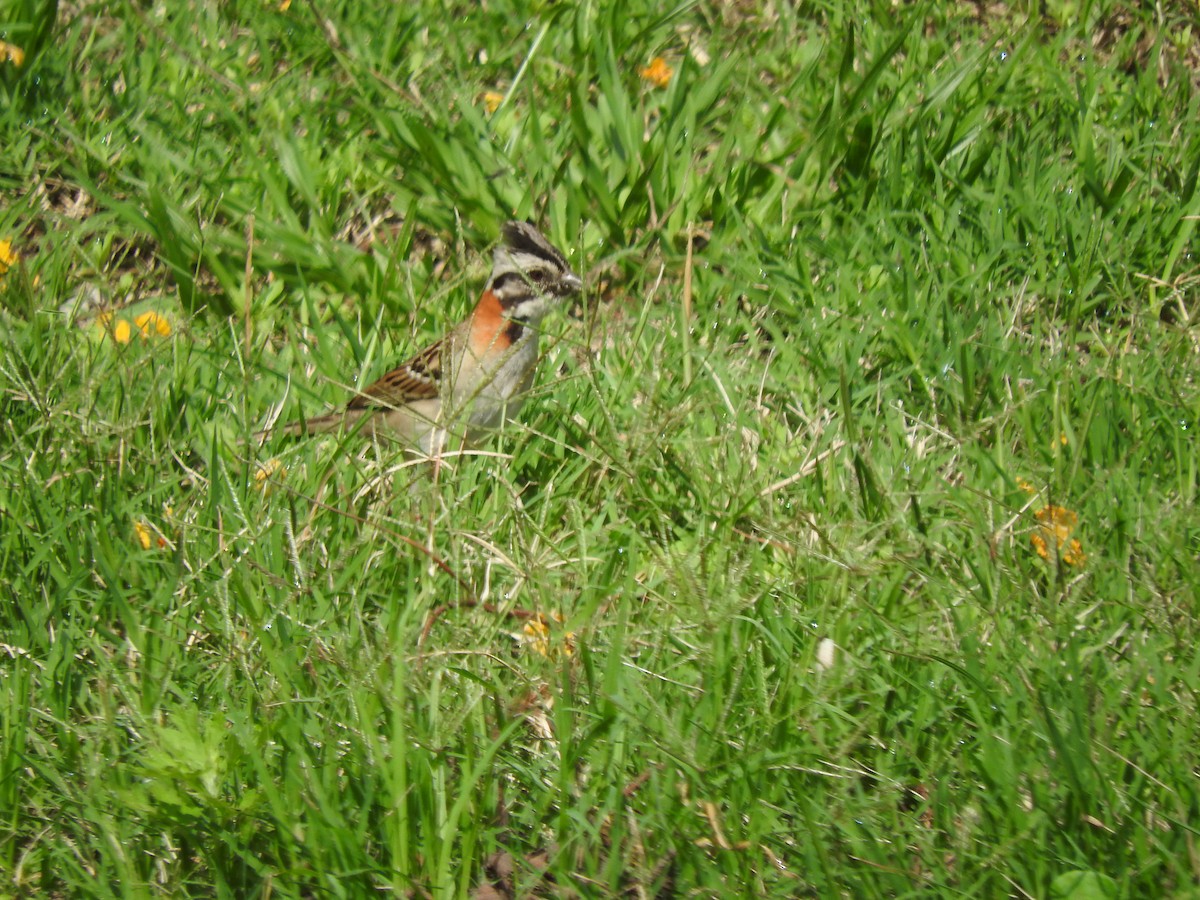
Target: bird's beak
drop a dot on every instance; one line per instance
(572, 282)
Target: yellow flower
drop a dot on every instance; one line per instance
(12, 53)
(658, 72)
(142, 533)
(284, 4)
(8, 256)
(1073, 555)
(492, 101)
(1055, 525)
(266, 473)
(537, 635)
(152, 320)
(121, 330)
(1025, 486)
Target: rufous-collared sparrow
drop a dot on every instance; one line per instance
(474, 378)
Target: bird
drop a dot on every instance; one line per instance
(474, 378)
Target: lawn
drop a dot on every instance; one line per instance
(847, 545)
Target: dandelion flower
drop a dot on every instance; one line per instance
(149, 322)
(8, 256)
(1055, 526)
(1073, 554)
(12, 53)
(492, 101)
(658, 72)
(536, 633)
(268, 472)
(122, 330)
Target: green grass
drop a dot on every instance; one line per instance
(944, 277)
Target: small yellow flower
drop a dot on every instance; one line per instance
(1055, 525)
(492, 101)
(1026, 486)
(122, 330)
(537, 635)
(148, 321)
(658, 72)
(142, 533)
(1039, 546)
(8, 256)
(266, 473)
(284, 4)
(12, 53)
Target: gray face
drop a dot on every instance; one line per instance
(542, 275)
(529, 274)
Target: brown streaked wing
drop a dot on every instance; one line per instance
(418, 379)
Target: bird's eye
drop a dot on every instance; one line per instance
(539, 276)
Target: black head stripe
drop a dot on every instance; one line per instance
(509, 282)
(520, 237)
